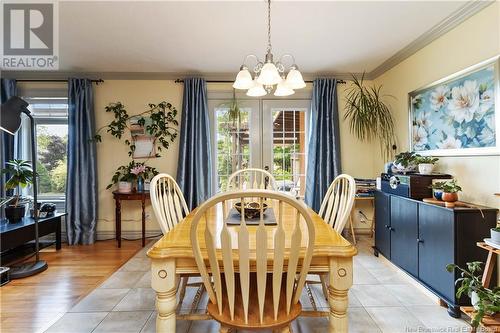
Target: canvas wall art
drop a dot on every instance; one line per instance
(458, 115)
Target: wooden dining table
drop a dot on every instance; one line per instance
(172, 256)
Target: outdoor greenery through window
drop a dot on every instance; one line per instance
(51, 116)
(233, 149)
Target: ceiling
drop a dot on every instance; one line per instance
(210, 37)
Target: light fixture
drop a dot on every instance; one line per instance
(10, 121)
(269, 73)
(283, 89)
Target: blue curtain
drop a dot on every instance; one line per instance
(8, 89)
(194, 172)
(81, 186)
(323, 159)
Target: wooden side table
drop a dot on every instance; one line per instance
(351, 219)
(118, 196)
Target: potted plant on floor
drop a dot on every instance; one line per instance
(20, 176)
(484, 300)
(426, 164)
(450, 191)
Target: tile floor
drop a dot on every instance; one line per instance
(382, 299)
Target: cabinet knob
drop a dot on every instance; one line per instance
(420, 240)
(386, 226)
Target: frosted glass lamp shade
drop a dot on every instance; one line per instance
(243, 79)
(283, 90)
(269, 75)
(294, 79)
(257, 90)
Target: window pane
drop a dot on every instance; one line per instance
(233, 148)
(52, 140)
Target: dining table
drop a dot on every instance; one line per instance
(172, 256)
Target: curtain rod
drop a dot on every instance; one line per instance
(54, 80)
(226, 81)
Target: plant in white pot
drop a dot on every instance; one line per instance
(405, 162)
(484, 300)
(495, 235)
(426, 164)
(124, 175)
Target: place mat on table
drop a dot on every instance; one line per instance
(234, 218)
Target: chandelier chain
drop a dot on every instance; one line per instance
(268, 26)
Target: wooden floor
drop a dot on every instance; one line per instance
(35, 303)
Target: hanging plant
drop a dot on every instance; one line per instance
(369, 117)
(159, 121)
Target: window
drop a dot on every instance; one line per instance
(51, 119)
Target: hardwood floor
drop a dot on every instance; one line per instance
(35, 303)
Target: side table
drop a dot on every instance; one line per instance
(118, 196)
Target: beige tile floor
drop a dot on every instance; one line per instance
(382, 299)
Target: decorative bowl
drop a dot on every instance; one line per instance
(252, 209)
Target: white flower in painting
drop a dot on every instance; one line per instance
(416, 100)
(419, 137)
(423, 120)
(449, 143)
(486, 101)
(486, 138)
(469, 132)
(439, 97)
(464, 101)
(489, 120)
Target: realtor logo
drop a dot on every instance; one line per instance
(30, 39)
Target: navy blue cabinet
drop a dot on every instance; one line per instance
(422, 238)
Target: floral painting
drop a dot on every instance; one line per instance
(456, 114)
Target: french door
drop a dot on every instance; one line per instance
(266, 134)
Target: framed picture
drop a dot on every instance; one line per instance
(144, 143)
(458, 115)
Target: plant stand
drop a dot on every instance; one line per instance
(490, 323)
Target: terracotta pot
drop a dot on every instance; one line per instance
(450, 197)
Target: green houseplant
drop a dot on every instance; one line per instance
(484, 300)
(20, 175)
(368, 116)
(426, 164)
(125, 174)
(450, 190)
(405, 162)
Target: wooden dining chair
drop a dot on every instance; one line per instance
(335, 210)
(268, 297)
(169, 207)
(251, 178)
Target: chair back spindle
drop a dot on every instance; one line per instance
(338, 201)
(251, 178)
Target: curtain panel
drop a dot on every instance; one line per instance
(194, 173)
(81, 184)
(8, 89)
(323, 159)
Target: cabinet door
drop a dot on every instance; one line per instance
(404, 232)
(436, 249)
(382, 224)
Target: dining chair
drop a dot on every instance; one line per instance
(268, 297)
(335, 211)
(169, 207)
(251, 178)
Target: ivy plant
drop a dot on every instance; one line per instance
(159, 121)
(124, 173)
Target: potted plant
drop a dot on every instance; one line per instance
(124, 176)
(21, 176)
(437, 190)
(495, 235)
(426, 164)
(405, 162)
(450, 191)
(139, 172)
(484, 300)
(369, 116)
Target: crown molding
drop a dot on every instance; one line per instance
(460, 15)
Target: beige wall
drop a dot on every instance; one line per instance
(473, 41)
(111, 153)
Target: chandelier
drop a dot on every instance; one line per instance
(267, 74)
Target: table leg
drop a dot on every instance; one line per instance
(488, 268)
(352, 227)
(118, 220)
(58, 234)
(143, 201)
(340, 282)
(164, 282)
